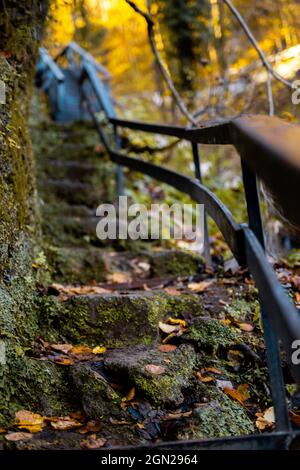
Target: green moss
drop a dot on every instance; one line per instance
(209, 334)
(175, 263)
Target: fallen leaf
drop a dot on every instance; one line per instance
(91, 426)
(246, 327)
(156, 370)
(167, 348)
(265, 420)
(64, 423)
(30, 421)
(61, 360)
(117, 421)
(168, 328)
(240, 395)
(172, 291)
(65, 348)
(119, 278)
(79, 290)
(176, 321)
(2, 430)
(99, 350)
(295, 418)
(212, 369)
(81, 349)
(173, 416)
(297, 297)
(18, 436)
(130, 395)
(91, 442)
(200, 286)
(204, 379)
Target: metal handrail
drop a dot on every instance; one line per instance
(251, 137)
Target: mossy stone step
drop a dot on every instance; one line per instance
(74, 192)
(71, 170)
(84, 264)
(117, 320)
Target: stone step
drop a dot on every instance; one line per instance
(74, 192)
(71, 231)
(70, 170)
(83, 265)
(119, 320)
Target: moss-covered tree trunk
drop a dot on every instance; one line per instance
(21, 25)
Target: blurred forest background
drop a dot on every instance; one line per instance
(214, 67)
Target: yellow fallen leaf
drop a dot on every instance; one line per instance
(130, 395)
(81, 349)
(32, 422)
(99, 350)
(200, 286)
(176, 321)
(204, 379)
(119, 278)
(246, 327)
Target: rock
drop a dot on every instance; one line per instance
(119, 320)
(218, 416)
(166, 379)
(209, 334)
(175, 263)
(98, 398)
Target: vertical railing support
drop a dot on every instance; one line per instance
(198, 176)
(119, 169)
(271, 340)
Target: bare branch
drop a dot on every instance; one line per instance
(165, 74)
(258, 49)
(270, 95)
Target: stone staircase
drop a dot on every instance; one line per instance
(136, 390)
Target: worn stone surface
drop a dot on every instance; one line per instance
(98, 398)
(118, 319)
(163, 388)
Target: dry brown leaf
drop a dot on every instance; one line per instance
(212, 369)
(265, 420)
(18, 436)
(91, 442)
(172, 291)
(62, 361)
(154, 369)
(91, 426)
(204, 379)
(173, 416)
(165, 328)
(246, 327)
(2, 430)
(240, 395)
(65, 348)
(99, 350)
(64, 423)
(130, 395)
(200, 286)
(297, 297)
(69, 289)
(295, 418)
(119, 278)
(167, 348)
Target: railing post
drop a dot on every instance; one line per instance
(119, 169)
(198, 176)
(271, 340)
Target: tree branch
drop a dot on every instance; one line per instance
(257, 47)
(150, 26)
